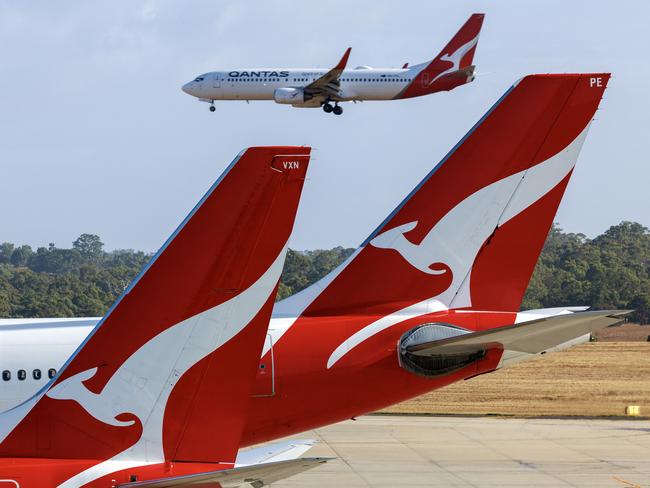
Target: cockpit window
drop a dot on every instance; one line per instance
(200, 78)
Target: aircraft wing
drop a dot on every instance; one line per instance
(329, 85)
(256, 475)
(531, 337)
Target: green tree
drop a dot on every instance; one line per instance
(89, 246)
(20, 255)
(6, 249)
(609, 271)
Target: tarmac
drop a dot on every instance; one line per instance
(413, 451)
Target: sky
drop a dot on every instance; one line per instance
(96, 135)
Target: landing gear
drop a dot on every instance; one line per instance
(212, 108)
(329, 108)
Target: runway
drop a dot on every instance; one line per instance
(408, 451)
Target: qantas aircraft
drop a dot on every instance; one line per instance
(312, 88)
(157, 394)
(431, 297)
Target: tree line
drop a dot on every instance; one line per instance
(609, 271)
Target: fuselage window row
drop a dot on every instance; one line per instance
(21, 374)
(274, 80)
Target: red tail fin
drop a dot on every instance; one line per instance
(166, 375)
(452, 67)
(470, 233)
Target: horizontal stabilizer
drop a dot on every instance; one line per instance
(530, 337)
(463, 72)
(277, 451)
(256, 475)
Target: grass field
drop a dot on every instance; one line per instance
(593, 379)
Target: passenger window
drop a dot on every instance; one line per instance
(51, 373)
(6, 375)
(36, 374)
(22, 374)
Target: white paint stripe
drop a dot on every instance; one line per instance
(422, 308)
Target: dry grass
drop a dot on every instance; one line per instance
(624, 333)
(594, 379)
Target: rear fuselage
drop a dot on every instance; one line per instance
(297, 386)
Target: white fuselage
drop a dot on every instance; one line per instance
(32, 350)
(260, 84)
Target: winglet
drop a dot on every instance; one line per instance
(328, 84)
(344, 60)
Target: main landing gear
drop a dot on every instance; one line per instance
(336, 109)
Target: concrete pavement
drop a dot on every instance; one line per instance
(410, 451)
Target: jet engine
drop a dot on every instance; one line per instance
(289, 95)
(432, 365)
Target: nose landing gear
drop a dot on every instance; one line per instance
(212, 108)
(336, 109)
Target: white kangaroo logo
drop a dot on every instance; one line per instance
(72, 389)
(455, 58)
(418, 255)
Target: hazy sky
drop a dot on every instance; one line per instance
(96, 135)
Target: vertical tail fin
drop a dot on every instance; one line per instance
(470, 233)
(452, 67)
(166, 375)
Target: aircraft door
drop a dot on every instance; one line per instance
(216, 81)
(264, 385)
(425, 79)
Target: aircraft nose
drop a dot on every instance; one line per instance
(188, 88)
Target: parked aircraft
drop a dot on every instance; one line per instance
(136, 405)
(431, 297)
(312, 88)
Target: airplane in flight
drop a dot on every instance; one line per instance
(313, 88)
(135, 405)
(430, 298)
